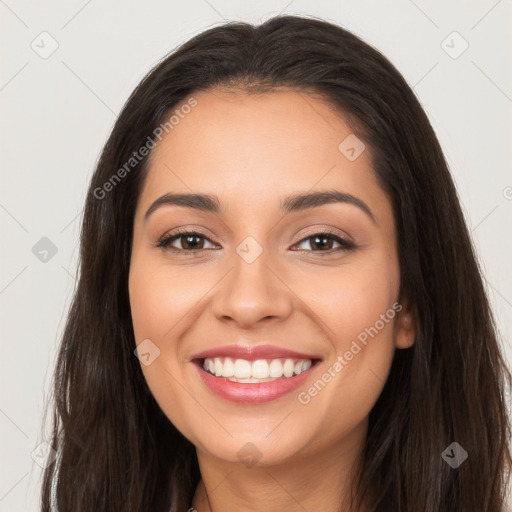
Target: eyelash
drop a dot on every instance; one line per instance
(345, 245)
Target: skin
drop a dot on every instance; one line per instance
(252, 151)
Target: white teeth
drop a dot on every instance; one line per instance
(276, 368)
(252, 380)
(218, 367)
(242, 368)
(260, 370)
(288, 367)
(228, 368)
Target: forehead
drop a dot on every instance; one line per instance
(274, 123)
(254, 148)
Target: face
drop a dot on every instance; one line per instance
(252, 268)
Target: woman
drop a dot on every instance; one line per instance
(279, 306)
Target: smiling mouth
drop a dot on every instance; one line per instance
(255, 371)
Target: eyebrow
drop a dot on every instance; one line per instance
(294, 203)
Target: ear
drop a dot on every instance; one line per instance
(405, 325)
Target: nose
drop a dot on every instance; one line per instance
(252, 292)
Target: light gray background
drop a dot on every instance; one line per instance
(58, 111)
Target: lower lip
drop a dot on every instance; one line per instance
(252, 393)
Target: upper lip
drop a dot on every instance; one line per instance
(251, 353)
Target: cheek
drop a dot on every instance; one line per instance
(160, 296)
(351, 300)
(357, 307)
(363, 309)
(161, 302)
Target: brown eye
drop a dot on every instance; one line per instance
(189, 241)
(323, 242)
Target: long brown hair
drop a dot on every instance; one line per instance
(116, 448)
